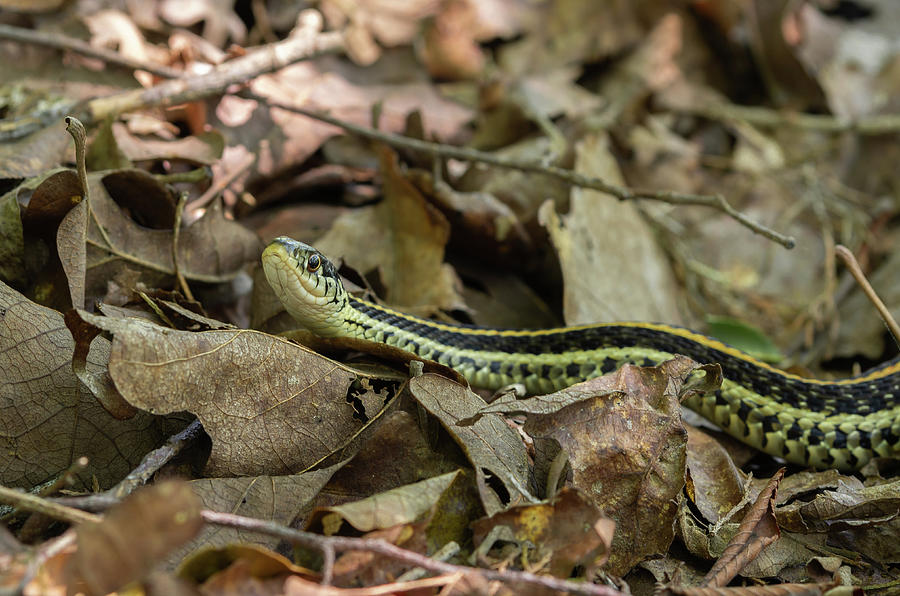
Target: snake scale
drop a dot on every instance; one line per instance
(823, 424)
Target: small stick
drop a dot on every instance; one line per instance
(23, 500)
(853, 266)
(622, 193)
(62, 42)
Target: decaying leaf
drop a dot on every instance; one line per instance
(401, 505)
(134, 536)
(279, 499)
(240, 567)
(612, 267)
(568, 530)
(757, 530)
(270, 406)
(626, 445)
(50, 419)
(494, 449)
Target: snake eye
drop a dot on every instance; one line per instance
(313, 263)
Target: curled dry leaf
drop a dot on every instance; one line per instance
(41, 398)
(626, 445)
(569, 530)
(757, 530)
(211, 250)
(239, 569)
(134, 536)
(494, 449)
(717, 485)
(270, 406)
(400, 452)
(862, 519)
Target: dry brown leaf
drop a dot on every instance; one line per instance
(392, 24)
(409, 252)
(757, 530)
(613, 269)
(717, 484)
(35, 153)
(862, 519)
(204, 148)
(401, 454)
(12, 240)
(270, 406)
(241, 569)
(402, 505)
(363, 568)
(568, 530)
(278, 499)
(135, 535)
(55, 193)
(71, 245)
(449, 48)
(50, 418)
(212, 250)
(495, 450)
(776, 590)
(626, 445)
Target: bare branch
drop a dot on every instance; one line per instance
(465, 154)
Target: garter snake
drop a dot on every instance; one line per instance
(824, 424)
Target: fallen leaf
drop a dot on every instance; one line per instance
(568, 530)
(494, 449)
(278, 499)
(757, 530)
(43, 399)
(613, 269)
(302, 410)
(625, 442)
(135, 535)
(717, 484)
(401, 505)
(204, 148)
(410, 252)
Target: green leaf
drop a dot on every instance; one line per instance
(743, 336)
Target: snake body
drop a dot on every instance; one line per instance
(823, 424)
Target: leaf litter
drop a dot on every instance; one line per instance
(602, 483)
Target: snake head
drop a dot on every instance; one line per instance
(307, 283)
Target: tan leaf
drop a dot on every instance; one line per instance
(757, 530)
(401, 505)
(409, 252)
(626, 445)
(613, 269)
(270, 406)
(51, 419)
(494, 449)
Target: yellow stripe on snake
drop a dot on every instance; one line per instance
(824, 424)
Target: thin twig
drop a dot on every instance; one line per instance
(220, 185)
(62, 42)
(176, 261)
(384, 548)
(576, 179)
(28, 502)
(853, 266)
(139, 476)
(767, 117)
(307, 41)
